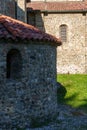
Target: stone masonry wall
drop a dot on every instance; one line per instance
(14, 8)
(21, 10)
(86, 46)
(71, 56)
(7, 7)
(33, 97)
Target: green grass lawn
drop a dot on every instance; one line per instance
(74, 90)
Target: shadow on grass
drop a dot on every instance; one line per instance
(61, 92)
(84, 106)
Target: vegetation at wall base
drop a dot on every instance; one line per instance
(73, 90)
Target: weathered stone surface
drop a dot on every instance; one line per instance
(7, 7)
(21, 10)
(71, 56)
(32, 97)
(68, 118)
(14, 8)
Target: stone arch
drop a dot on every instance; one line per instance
(63, 32)
(14, 64)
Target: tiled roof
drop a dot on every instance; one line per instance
(17, 30)
(58, 6)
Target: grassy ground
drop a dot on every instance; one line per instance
(73, 91)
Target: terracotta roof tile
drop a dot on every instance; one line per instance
(17, 30)
(58, 6)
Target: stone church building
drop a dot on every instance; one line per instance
(63, 18)
(28, 87)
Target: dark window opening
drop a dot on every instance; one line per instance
(63, 33)
(14, 64)
(31, 18)
(28, 1)
(15, 9)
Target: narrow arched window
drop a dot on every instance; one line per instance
(14, 64)
(63, 33)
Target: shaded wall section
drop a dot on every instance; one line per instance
(7, 7)
(14, 8)
(21, 10)
(36, 18)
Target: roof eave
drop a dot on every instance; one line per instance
(64, 11)
(58, 11)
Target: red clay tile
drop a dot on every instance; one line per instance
(15, 30)
(57, 6)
